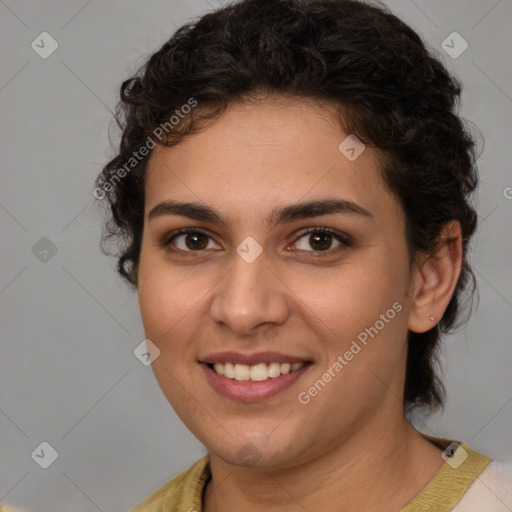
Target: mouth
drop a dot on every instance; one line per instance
(256, 373)
(254, 381)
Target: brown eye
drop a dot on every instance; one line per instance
(187, 240)
(321, 240)
(195, 241)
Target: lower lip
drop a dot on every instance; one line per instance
(248, 390)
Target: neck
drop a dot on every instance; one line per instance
(373, 467)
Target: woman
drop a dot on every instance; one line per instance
(292, 197)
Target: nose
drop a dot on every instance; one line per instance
(250, 296)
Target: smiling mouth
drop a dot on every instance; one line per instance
(256, 373)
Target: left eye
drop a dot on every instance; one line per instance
(320, 239)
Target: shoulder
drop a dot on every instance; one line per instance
(183, 492)
(491, 491)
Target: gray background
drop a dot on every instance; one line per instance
(69, 326)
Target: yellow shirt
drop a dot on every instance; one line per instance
(441, 494)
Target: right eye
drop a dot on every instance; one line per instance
(193, 240)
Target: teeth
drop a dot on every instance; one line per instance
(229, 370)
(257, 373)
(274, 370)
(242, 372)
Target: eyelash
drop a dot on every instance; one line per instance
(343, 239)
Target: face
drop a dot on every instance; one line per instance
(310, 304)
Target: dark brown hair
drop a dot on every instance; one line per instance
(395, 96)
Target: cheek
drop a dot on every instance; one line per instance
(166, 296)
(160, 312)
(165, 316)
(165, 313)
(362, 314)
(352, 296)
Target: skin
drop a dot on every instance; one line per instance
(350, 444)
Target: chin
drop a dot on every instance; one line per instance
(256, 450)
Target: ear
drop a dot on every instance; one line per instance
(434, 280)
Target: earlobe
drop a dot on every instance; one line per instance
(435, 279)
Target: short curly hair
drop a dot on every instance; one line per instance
(395, 96)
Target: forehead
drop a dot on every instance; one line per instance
(261, 154)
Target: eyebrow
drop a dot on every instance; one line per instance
(277, 216)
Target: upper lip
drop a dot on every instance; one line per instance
(251, 359)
